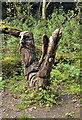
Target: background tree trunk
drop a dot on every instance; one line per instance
(29, 9)
(44, 7)
(44, 10)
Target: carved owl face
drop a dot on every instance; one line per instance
(26, 38)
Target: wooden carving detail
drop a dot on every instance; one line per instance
(37, 73)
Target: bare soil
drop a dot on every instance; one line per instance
(67, 104)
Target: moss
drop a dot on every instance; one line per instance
(9, 65)
(3, 27)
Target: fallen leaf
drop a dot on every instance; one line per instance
(78, 96)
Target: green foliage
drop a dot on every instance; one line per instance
(42, 97)
(65, 76)
(25, 117)
(10, 46)
(70, 114)
(56, 20)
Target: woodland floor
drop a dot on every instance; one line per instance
(68, 104)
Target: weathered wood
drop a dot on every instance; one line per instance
(38, 72)
(51, 52)
(44, 48)
(27, 49)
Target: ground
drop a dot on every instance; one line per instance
(68, 106)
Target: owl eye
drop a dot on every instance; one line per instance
(26, 37)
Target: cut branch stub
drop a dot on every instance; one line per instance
(38, 72)
(51, 51)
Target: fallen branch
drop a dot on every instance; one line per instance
(9, 30)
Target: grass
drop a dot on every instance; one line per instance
(25, 117)
(59, 86)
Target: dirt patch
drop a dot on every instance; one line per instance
(68, 106)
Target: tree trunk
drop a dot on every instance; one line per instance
(44, 10)
(44, 7)
(29, 9)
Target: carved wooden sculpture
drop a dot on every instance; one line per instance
(37, 73)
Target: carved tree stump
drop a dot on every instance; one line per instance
(37, 73)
